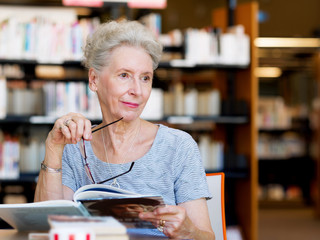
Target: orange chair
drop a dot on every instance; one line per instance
(216, 205)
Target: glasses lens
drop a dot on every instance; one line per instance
(82, 149)
(88, 172)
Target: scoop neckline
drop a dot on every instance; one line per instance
(156, 139)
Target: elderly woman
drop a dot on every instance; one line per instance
(121, 58)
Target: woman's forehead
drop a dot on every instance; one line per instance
(128, 57)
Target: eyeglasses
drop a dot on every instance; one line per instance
(82, 147)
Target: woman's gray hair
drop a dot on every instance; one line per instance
(111, 35)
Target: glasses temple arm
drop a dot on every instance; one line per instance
(131, 166)
(107, 125)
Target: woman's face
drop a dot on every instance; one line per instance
(124, 86)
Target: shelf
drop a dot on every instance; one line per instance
(282, 130)
(232, 174)
(11, 119)
(170, 119)
(284, 158)
(23, 178)
(294, 203)
(192, 66)
(215, 119)
(171, 64)
(75, 63)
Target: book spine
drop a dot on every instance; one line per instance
(3, 97)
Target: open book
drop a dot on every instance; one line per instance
(89, 200)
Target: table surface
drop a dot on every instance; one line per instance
(15, 235)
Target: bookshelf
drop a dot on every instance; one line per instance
(317, 138)
(285, 126)
(236, 83)
(284, 154)
(245, 86)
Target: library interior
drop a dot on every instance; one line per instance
(241, 77)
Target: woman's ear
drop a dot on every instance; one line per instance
(93, 80)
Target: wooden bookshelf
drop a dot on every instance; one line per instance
(317, 140)
(245, 136)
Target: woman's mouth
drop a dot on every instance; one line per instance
(131, 104)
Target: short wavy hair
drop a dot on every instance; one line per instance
(113, 34)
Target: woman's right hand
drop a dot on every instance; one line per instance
(69, 129)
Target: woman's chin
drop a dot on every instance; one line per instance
(129, 117)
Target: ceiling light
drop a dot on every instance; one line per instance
(267, 72)
(269, 42)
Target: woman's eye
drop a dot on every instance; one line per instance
(146, 78)
(124, 75)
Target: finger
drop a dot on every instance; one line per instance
(167, 210)
(73, 131)
(66, 133)
(87, 134)
(78, 127)
(83, 127)
(149, 216)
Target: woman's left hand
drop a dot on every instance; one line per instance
(173, 221)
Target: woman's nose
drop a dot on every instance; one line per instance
(135, 87)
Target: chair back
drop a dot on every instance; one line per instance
(216, 204)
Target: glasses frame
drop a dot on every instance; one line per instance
(86, 164)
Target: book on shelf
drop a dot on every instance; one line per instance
(9, 156)
(101, 227)
(3, 97)
(154, 107)
(212, 153)
(89, 200)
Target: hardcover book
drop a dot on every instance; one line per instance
(89, 200)
(103, 227)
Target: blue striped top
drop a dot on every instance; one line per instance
(172, 168)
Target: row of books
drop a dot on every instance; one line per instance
(33, 35)
(278, 192)
(212, 153)
(193, 102)
(273, 113)
(63, 97)
(12, 71)
(56, 98)
(211, 46)
(49, 98)
(285, 146)
(21, 154)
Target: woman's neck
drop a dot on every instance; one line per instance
(120, 139)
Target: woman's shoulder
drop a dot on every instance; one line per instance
(170, 134)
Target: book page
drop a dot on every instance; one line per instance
(33, 216)
(125, 210)
(94, 191)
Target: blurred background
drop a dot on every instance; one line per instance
(242, 77)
